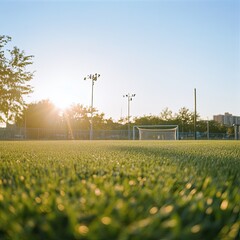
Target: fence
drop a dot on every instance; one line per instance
(58, 134)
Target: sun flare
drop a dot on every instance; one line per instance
(61, 102)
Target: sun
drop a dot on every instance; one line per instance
(61, 102)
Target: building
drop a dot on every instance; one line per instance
(227, 119)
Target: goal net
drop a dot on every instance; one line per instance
(156, 132)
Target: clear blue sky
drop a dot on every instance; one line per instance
(159, 50)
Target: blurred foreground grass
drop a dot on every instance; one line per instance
(120, 190)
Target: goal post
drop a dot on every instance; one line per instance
(156, 132)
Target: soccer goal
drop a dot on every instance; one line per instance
(155, 132)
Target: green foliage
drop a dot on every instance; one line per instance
(44, 114)
(184, 118)
(78, 116)
(166, 114)
(41, 115)
(214, 127)
(120, 190)
(13, 80)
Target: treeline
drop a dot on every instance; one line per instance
(44, 114)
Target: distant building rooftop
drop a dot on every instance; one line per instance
(227, 119)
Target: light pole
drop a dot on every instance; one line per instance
(92, 77)
(130, 98)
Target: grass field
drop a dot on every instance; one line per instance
(120, 190)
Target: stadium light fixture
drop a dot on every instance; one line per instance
(93, 78)
(130, 98)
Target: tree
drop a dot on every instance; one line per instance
(78, 116)
(185, 118)
(42, 114)
(14, 79)
(166, 114)
(148, 120)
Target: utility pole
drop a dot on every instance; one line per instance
(92, 77)
(130, 98)
(207, 130)
(195, 114)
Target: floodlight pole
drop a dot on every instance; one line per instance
(130, 98)
(92, 77)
